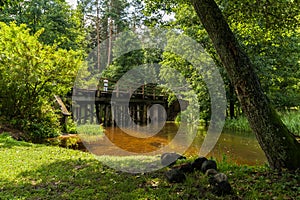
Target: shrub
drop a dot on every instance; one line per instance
(31, 74)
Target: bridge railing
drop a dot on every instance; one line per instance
(107, 87)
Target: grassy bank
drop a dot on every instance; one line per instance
(290, 119)
(30, 171)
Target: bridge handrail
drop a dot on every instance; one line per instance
(145, 90)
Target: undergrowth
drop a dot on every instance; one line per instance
(290, 118)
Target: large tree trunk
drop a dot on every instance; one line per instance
(280, 146)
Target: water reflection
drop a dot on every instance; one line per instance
(241, 148)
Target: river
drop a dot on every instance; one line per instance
(236, 147)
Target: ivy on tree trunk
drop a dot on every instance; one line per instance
(280, 146)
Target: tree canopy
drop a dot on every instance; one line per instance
(61, 24)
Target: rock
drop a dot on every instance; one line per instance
(208, 164)
(175, 176)
(211, 172)
(222, 188)
(217, 178)
(220, 177)
(184, 168)
(219, 183)
(168, 159)
(197, 164)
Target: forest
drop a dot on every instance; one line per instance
(243, 53)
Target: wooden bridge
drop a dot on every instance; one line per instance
(95, 105)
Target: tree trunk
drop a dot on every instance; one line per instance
(98, 36)
(110, 38)
(110, 25)
(280, 146)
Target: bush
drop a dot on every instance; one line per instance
(31, 74)
(40, 131)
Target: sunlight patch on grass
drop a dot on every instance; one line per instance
(90, 132)
(132, 164)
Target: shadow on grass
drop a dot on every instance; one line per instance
(87, 178)
(6, 141)
(76, 179)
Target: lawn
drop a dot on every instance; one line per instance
(31, 171)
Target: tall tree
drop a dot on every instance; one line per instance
(56, 17)
(102, 19)
(280, 146)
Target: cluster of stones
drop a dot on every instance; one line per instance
(218, 181)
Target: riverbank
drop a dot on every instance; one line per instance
(31, 171)
(291, 119)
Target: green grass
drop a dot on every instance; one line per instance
(30, 171)
(90, 132)
(90, 129)
(290, 119)
(238, 124)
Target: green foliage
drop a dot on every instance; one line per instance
(39, 131)
(238, 124)
(124, 60)
(90, 129)
(71, 126)
(173, 62)
(4, 3)
(290, 119)
(32, 73)
(60, 23)
(268, 33)
(90, 132)
(270, 36)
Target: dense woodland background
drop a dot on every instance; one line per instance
(44, 43)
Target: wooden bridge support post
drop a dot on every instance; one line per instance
(85, 113)
(106, 118)
(144, 121)
(97, 105)
(92, 112)
(127, 116)
(138, 116)
(113, 116)
(133, 113)
(121, 115)
(155, 115)
(110, 119)
(79, 113)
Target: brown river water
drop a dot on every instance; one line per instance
(237, 147)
